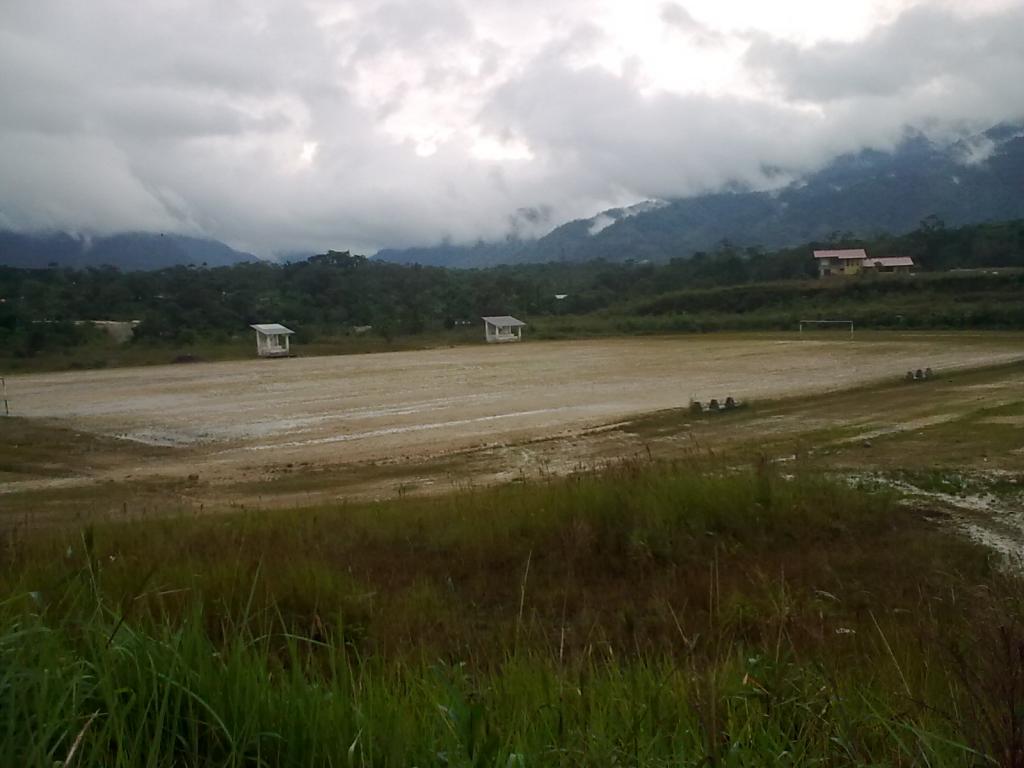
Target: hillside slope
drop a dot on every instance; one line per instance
(126, 251)
(865, 194)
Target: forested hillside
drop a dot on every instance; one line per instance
(126, 251)
(334, 293)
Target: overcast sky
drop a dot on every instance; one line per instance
(278, 125)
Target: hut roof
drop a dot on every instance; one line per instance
(271, 329)
(505, 321)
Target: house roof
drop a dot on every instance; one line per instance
(853, 253)
(889, 261)
(271, 329)
(505, 321)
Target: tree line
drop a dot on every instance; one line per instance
(335, 292)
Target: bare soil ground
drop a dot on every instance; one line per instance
(298, 431)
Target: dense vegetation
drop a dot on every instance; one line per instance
(943, 300)
(659, 614)
(333, 294)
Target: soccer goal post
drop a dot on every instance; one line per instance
(826, 324)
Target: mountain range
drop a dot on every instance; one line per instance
(126, 251)
(864, 194)
(977, 179)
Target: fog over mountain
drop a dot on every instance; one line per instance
(278, 126)
(867, 193)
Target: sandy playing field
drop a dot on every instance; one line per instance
(382, 406)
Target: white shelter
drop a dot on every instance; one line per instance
(503, 328)
(272, 339)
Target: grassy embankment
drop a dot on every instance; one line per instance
(655, 614)
(969, 300)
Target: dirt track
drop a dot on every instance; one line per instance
(382, 406)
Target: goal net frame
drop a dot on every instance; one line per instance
(826, 323)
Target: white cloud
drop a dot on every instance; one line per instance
(925, 47)
(278, 124)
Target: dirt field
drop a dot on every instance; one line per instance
(366, 407)
(299, 432)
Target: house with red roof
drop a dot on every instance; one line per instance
(854, 261)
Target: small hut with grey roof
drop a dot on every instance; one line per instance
(503, 328)
(272, 339)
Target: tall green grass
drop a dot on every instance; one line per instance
(648, 615)
(89, 695)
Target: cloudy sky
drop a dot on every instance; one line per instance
(278, 125)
